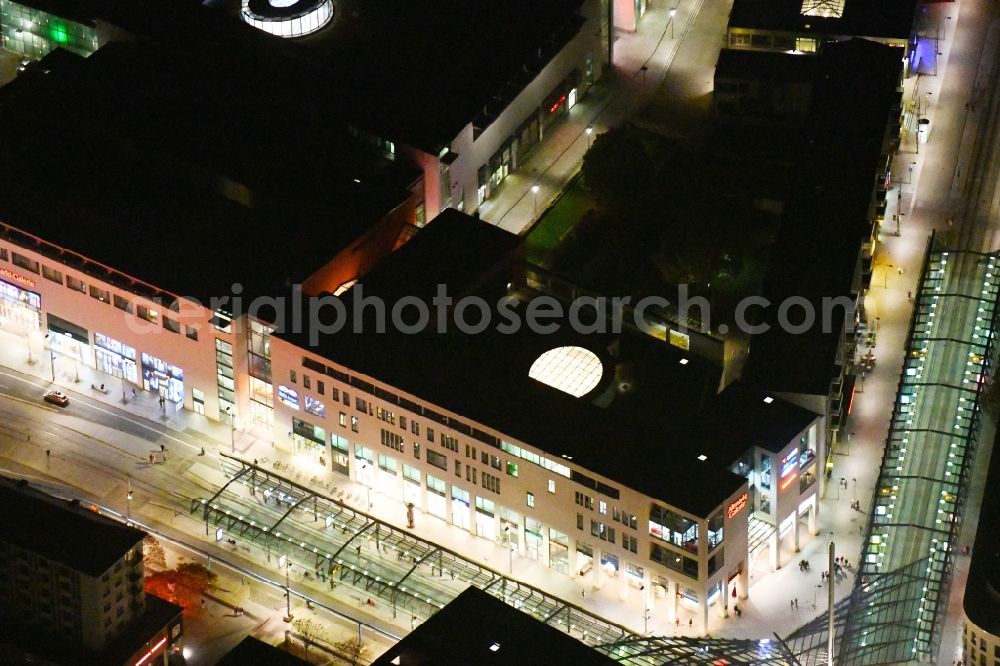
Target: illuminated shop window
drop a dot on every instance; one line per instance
(572, 370)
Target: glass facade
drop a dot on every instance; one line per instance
(308, 21)
(33, 33)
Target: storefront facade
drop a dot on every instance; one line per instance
(69, 320)
(405, 451)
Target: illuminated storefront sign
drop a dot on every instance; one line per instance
(288, 396)
(790, 463)
(733, 509)
(315, 407)
(151, 652)
(20, 279)
(14, 294)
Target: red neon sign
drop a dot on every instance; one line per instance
(555, 107)
(17, 278)
(737, 506)
(153, 649)
(850, 405)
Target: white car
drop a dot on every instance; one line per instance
(57, 398)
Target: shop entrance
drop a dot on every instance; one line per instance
(20, 309)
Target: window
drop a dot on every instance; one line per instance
(511, 468)
(392, 440)
(449, 442)
(531, 499)
(602, 507)
(552, 486)
(24, 262)
(361, 405)
(76, 285)
(436, 459)
(343, 420)
(435, 485)
(122, 303)
(52, 274)
(102, 295)
(414, 427)
(387, 464)
(335, 394)
(458, 468)
(411, 473)
(354, 423)
(416, 450)
(3, 254)
(191, 332)
(491, 482)
(402, 422)
(347, 399)
(148, 314)
(579, 521)
(171, 325)
(430, 434)
(293, 376)
(320, 387)
(385, 415)
(306, 382)
(630, 543)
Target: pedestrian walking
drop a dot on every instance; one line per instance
(203, 602)
(690, 623)
(909, 296)
(677, 622)
(796, 603)
(48, 452)
(791, 603)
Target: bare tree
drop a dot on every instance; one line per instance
(153, 555)
(310, 631)
(352, 649)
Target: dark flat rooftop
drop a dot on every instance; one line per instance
(420, 70)
(252, 651)
(477, 629)
(827, 219)
(164, 164)
(741, 419)
(765, 65)
(982, 588)
(861, 18)
(62, 531)
(643, 396)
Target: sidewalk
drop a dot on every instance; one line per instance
(641, 60)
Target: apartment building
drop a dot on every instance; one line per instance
(73, 582)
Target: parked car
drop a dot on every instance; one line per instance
(57, 398)
(23, 65)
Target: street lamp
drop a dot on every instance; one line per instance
(232, 430)
(590, 133)
(368, 489)
(128, 502)
(534, 194)
(283, 562)
(673, 13)
(27, 340)
(510, 550)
